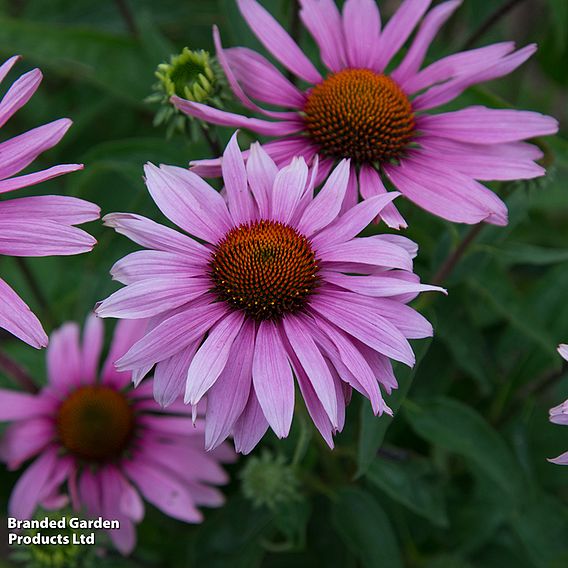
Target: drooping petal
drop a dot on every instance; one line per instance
(272, 379)
(289, 185)
(16, 405)
(27, 180)
(212, 356)
(17, 318)
(227, 398)
(251, 426)
(24, 439)
(58, 208)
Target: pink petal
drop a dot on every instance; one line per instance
(16, 405)
(172, 335)
(272, 379)
(58, 208)
(376, 332)
(313, 364)
(151, 297)
(170, 375)
(19, 94)
(37, 177)
(367, 250)
(7, 65)
(152, 235)
(361, 26)
(325, 206)
(351, 223)
(93, 338)
(563, 350)
(38, 482)
(322, 19)
(188, 201)
(146, 264)
(64, 361)
(24, 439)
(431, 25)
(37, 237)
(276, 40)
(398, 30)
(163, 490)
(17, 318)
(241, 205)
(289, 185)
(227, 398)
(262, 80)
(482, 125)
(370, 185)
(261, 173)
(212, 356)
(22, 150)
(126, 334)
(250, 427)
(224, 118)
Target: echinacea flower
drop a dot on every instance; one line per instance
(376, 112)
(281, 285)
(40, 225)
(102, 445)
(559, 414)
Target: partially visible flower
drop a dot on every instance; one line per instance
(193, 75)
(281, 285)
(100, 445)
(559, 414)
(34, 226)
(377, 113)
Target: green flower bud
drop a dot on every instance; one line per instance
(269, 481)
(192, 75)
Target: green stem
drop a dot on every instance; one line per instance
(17, 373)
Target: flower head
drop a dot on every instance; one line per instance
(377, 113)
(100, 445)
(281, 286)
(40, 225)
(559, 414)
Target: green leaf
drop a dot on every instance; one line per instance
(372, 428)
(460, 429)
(411, 483)
(524, 253)
(365, 529)
(115, 63)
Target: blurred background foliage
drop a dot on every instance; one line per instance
(459, 478)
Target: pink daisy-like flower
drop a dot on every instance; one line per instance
(376, 112)
(34, 226)
(559, 414)
(281, 285)
(108, 443)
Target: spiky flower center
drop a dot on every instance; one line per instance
(265, 268)
(95, 423)
(359, 114)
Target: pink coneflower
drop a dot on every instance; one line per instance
(34, 226)
(376, 113)
(559, 414)
(108, 443)
(281, 285)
